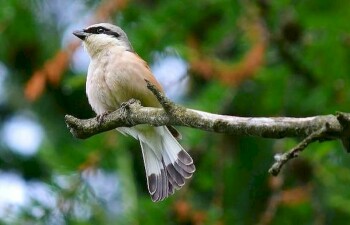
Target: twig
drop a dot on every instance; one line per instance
(167, 105)
(294, 152)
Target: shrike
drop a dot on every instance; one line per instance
(117, 74)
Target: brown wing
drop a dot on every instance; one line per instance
(127, 80)
(132, 72)
(148, 74)
(142, 71)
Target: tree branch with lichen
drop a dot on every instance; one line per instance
(316, 128)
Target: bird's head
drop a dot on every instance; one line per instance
(103, 36)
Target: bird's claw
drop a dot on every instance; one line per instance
(100, 118)
(126, 105)
(125, 108)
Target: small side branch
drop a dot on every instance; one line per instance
(167, 105)
(281, 160)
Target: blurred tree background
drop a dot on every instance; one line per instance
(245, 58)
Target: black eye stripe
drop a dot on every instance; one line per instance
(100, 30)
(96, 30)
(112, 33)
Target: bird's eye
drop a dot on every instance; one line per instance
(100, 30)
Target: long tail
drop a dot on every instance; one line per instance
(167, 164)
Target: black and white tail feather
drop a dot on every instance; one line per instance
(167, 164)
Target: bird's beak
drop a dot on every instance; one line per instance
(80, 34)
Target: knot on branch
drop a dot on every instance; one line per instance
(344, 120)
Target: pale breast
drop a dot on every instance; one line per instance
(100, 96)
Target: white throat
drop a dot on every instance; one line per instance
(97, 45)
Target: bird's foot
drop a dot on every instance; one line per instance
(126, 105)
(125, 108)
(100, 118)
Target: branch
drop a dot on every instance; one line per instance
(294, 152)
(316, 128)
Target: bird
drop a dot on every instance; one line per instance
(117, 74)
